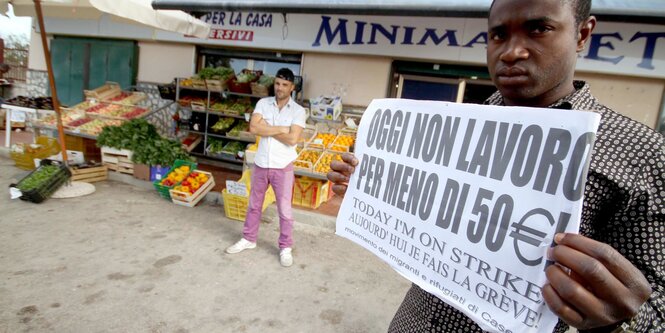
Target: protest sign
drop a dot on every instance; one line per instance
(464, 200)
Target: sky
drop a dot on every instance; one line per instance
(13, 25)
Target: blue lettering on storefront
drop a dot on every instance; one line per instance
(338, 33)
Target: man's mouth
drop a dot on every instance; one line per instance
(512, 75)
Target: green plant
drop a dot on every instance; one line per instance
(142, 138)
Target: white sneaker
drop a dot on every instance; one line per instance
(240, 246)
(285, 257)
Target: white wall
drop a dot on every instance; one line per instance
(363, 77)
(36, 60)
(636, 97)
(161, 62)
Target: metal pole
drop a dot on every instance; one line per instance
(51, 79)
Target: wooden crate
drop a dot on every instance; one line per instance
(90, 174)
(190, 200)
(119, 160)
(107, 91)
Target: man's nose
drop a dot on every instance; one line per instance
(514, 49)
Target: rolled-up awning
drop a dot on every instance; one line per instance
(142, 12)
(139, 11)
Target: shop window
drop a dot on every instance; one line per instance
(268, 62)
(426, 81)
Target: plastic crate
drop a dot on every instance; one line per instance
(47, 188)
(235, 206)
(164, 190)
(26, 160)
(310, 193)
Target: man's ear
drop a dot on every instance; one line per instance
(584, 32)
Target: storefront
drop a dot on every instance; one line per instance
(366, 57)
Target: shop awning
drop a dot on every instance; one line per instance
(139, 11)
(466, 8)
(142, 12)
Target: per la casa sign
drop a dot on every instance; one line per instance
(617, 48)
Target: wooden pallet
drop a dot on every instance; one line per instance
(91, 174)
(119, 160)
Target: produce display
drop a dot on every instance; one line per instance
(38, 178)
(192, 183)
(67, 116)
(233, 148)
(266, 80)
(41, 103)
(127, 98)
(95, 126)
(116, 110)
(215, 146)
(221, 106)
(307, 158)
(217, 73)
(323, 165)
(188, 99)
(222, 125)
(176, 176)
(240, 127)
(246, 77)
(322, 140)
(342, 143)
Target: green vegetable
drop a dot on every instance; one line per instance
(218, 73)
(142, 138)
(266, 80)
(246, 77)
(38, 178)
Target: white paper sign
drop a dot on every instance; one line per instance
(464, 200)
(17, 116)
(14, 193)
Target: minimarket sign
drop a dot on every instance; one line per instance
(617, 48)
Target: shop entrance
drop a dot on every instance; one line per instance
(423, 81)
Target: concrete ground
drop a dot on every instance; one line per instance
(125, 260)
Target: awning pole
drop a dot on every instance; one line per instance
(51, 80)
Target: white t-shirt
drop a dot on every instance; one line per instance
(272, 153)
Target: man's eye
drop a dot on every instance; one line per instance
(540, 29)
(497, 36)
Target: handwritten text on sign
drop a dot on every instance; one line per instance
(464, 200)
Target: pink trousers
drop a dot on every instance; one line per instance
(282, 183)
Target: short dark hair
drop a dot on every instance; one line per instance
(581, 9)
(285, 74)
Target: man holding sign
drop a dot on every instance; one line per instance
(610, 276)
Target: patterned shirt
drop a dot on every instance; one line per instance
(624, 206)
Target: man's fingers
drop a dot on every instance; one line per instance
(339, 189)
(610, 259)
(562, 309)
(590, 270)
(350, 159)
(575, 296)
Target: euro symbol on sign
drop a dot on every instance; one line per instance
(534, 237)
(529, 234)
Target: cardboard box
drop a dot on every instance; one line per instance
(73, 157)
(326, 107)
(141, 171)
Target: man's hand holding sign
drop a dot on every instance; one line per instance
(465, 202)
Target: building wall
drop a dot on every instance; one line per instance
(161, 62)
(358, 79)
(36, 60)
(636, 97)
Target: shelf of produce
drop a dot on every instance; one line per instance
(235, 138)
(219, 113)
(218, 158)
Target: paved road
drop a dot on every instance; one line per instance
(125, 260)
